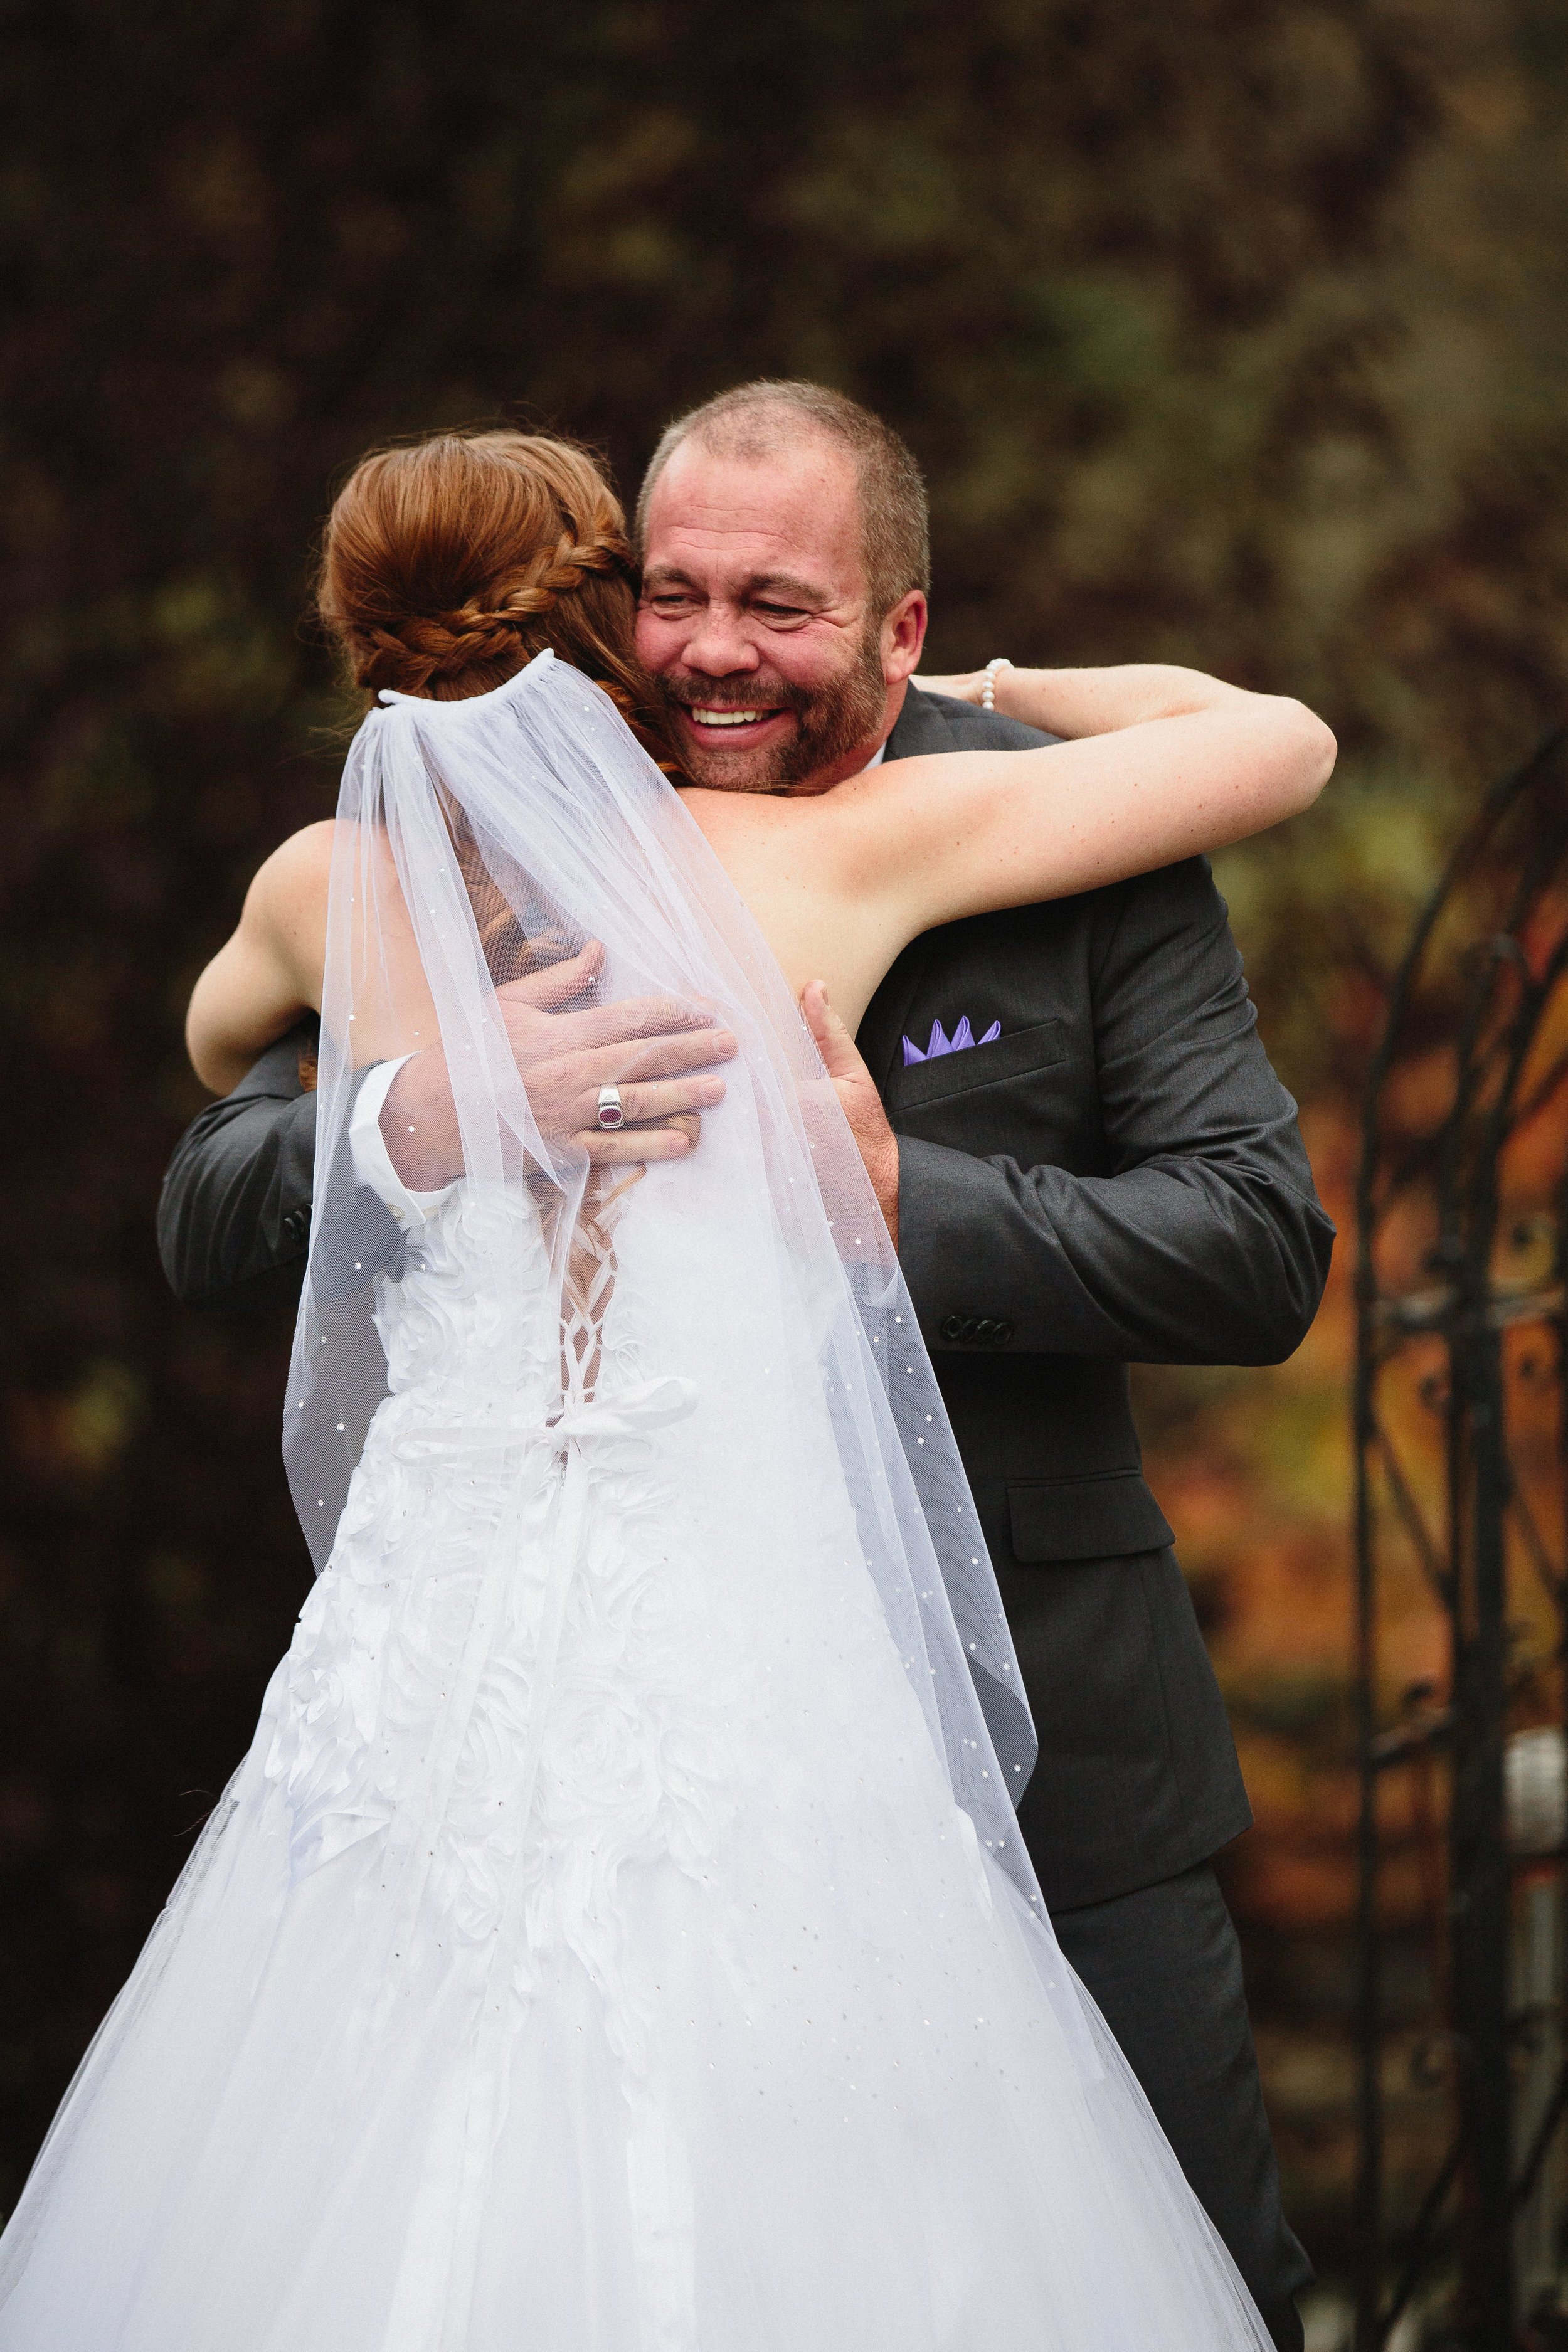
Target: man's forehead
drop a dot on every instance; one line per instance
(792, 515)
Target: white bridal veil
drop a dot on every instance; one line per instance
(618, 1934)
(791, 1297)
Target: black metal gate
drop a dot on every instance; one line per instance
(1461, 1449)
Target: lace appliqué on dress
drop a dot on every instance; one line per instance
(429, 1707)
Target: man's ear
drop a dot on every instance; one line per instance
(903, 632)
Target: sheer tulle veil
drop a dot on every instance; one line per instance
(618, 1933)
(791, 1291)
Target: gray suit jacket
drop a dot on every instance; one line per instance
(234, 1217)
(1118, 1177)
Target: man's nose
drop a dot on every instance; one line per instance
(720, 644)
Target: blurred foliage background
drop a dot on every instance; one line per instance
(1231, 332)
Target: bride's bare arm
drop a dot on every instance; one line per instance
(269, 972)
(663, 1052)
(1074, 702)
(1161, 763)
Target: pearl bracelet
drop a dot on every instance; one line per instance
(988, 690)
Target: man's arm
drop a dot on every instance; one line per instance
(234, 1219)
(1207, 1242)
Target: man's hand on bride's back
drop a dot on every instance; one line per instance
(660, 1051)
(861, 1104)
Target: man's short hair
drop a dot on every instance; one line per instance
(756, 419)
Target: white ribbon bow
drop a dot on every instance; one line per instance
(630, 1412)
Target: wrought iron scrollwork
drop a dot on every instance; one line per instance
(1461, 1452)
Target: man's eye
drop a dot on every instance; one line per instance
(781, 611)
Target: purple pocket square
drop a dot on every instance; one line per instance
(939, 1042)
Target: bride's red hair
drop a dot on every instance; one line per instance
(448, 563)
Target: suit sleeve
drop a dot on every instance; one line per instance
(1205, 1243)
(234, 1218)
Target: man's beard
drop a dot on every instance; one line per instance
(830, 720)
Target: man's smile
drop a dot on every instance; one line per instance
(722, 723)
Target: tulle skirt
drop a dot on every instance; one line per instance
(590, 1954)
(806, 2091)
(774, 2169)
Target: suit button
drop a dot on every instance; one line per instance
(985, 1331)
(952, 1329)
(970, 1329)
(297, 1224)
(1000, 1334)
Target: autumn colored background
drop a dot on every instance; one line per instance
(1229, 331)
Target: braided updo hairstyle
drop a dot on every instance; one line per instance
(448, 563)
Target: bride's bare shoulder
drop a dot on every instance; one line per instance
(289, 894)
(302, 863)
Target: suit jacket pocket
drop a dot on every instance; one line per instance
(1104, 1516)
(977, 1066)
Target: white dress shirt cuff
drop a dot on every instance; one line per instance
(372, 1161)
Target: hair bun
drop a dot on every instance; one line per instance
(449, 562)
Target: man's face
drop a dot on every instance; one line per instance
(755, 622)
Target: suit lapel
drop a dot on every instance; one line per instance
(886, 1016)
(923, 727)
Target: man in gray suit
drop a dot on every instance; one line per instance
(1085, 1160)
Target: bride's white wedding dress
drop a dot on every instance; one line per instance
(592, 1954)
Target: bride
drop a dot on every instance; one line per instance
(617, 1938)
